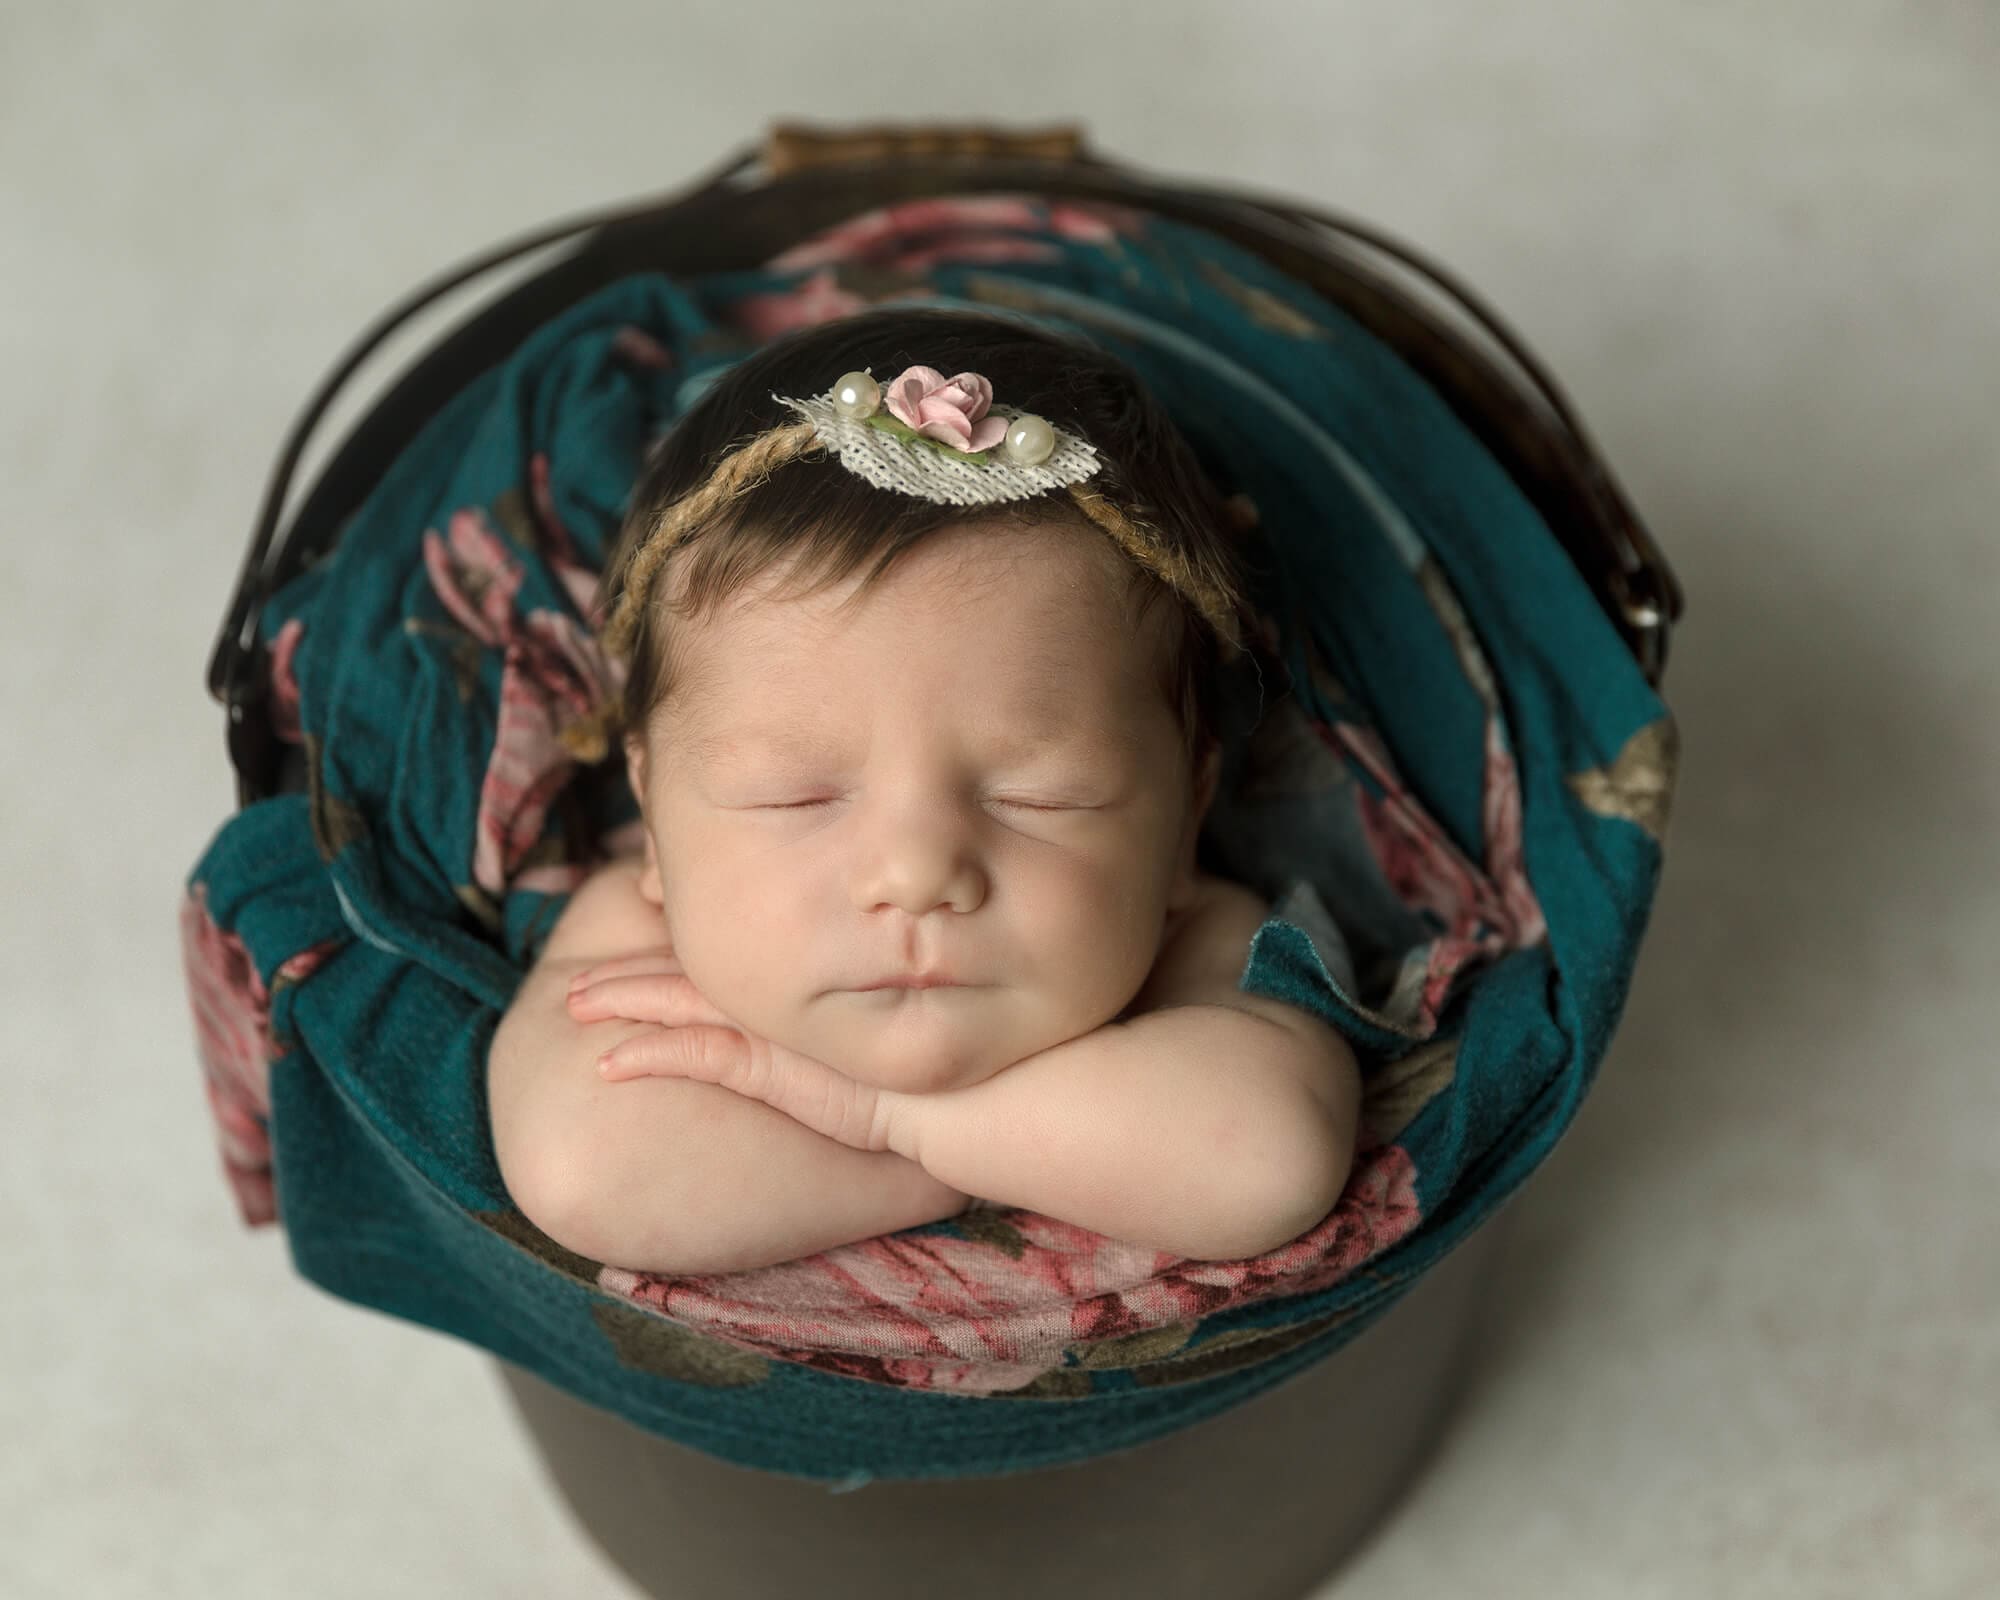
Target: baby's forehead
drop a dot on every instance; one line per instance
(1053, 640)
(1033, 706)
(1075, 646)
(1045, 707)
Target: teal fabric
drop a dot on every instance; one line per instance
(1374, 499)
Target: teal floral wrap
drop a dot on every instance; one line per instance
(1441, 765)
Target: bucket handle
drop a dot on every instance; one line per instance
(1644, 585)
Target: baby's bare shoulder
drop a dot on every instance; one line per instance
(1203, 962)
(541, 1089)
(1187, 956)
(607, 917)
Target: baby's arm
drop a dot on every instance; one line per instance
(1214, 1123)
(667, 1174)
(1190, 1129)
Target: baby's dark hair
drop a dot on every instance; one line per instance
(829, 521)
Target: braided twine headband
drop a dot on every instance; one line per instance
(937, 440)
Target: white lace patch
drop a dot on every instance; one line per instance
(892, 463)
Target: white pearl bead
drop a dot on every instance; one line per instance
(856, 395)
(1030, 441)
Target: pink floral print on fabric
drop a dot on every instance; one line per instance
(232, 1026)
(285, 683)
(995, 1311)
(817, 299)
(916, 235)
(1485, 914)
(910, 239)
(555, 675)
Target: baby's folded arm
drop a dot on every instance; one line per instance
(667, 1174)
(1187, 1129)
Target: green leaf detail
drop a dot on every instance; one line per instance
(891, 424)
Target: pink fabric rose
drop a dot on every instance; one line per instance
(944, 408)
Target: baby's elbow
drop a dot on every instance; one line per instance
(541, 1179)
(1290, 1175)
(542, 1148)
(1311, 1157)
(598, 1183)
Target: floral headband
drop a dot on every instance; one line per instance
(939, 439)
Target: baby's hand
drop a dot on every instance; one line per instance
(649, 987)
(695, 1039)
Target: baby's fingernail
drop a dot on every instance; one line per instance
(604, 1063)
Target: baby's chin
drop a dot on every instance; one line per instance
(925, 1041)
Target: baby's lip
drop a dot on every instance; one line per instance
(907, 980)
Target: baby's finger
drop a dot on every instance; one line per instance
(713, 1055)
(663, 998)
(671, 1000)
(657, 958)
(651, 963)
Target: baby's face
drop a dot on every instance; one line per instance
(968, 772)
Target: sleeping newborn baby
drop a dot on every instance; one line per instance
(918, 919)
